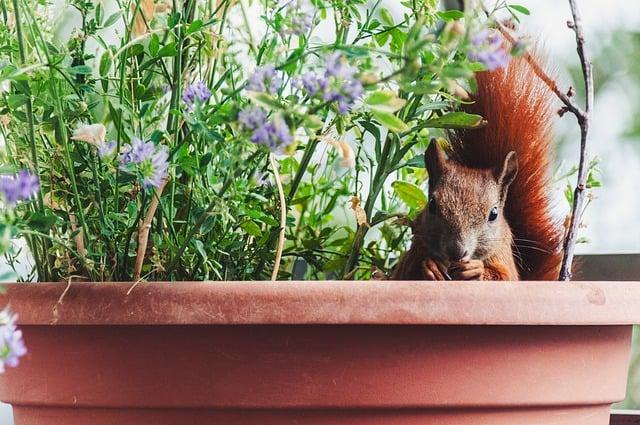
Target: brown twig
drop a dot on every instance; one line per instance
(583, 121)
(143, 230)
(582, 115)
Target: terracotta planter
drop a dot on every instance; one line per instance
(316, 353)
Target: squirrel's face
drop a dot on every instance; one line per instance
(464, 218)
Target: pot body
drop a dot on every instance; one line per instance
(315, 374)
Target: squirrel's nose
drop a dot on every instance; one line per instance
(456, 252)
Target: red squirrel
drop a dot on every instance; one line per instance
(488, 215)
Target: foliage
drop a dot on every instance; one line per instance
(194, 99)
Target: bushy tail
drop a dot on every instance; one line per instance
(517, 106)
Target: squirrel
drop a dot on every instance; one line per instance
(488, 215)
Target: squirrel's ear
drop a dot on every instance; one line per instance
(435, 161)
(507, 172)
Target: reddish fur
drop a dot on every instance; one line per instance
(517, 106)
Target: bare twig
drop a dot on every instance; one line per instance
(582, 115)
(283, 218)
(144, 228)
(583, 121)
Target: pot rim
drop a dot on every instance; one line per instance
(326, 302)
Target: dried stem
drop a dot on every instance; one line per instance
(583, 121)
(144, 228)
(583, 117)
(283, 218)
(79, 237)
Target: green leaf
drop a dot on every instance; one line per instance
(410, 194)
(112, 19)
(520, 9)
(450, 15)
(194, 27)
(456, 120)
(313, 122)
(416, 162)
(384, 101)
(168, 50)
(135, 50)
(16, 100)
(154, 45)
(98, 13)
(80, 69)
(251, 228)
(41, 222)
(200, 248)
(386, 17)
(105, 63)
(390, 121)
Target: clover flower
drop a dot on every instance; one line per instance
(147, 160)
(339, 83)
(195, 93)
(106, 149)
(18, 187)
(265, 79)
(298, 18)
(274, 133)
(90, 133)
(11, 343)
(488, 49)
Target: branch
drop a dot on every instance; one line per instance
(565, 98)
(144, 228)
(283, 218)
(583, 121)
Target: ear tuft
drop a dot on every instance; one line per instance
(435, 161)
(507, 173)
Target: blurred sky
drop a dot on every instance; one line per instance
(613, 220)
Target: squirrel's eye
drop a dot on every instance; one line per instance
(493, 214)
(432, 206)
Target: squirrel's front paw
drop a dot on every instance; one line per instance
(467, 270)
(434, 270)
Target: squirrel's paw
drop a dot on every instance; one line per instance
(434, 270)
(468, 270)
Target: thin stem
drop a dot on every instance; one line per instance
(302, 168)
(31, 130)
(283, 218)
(379, 178)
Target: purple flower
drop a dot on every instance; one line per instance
(196, 93)
(252, 117)
(147, 160)
(265, 79)
(488, 49)
(273, 133)
(298, 18)
(18, 187)
(337, 66)
(312, 83)
(338, 84)
(106, 149)
(11, 343)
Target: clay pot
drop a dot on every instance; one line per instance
(320, 353)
